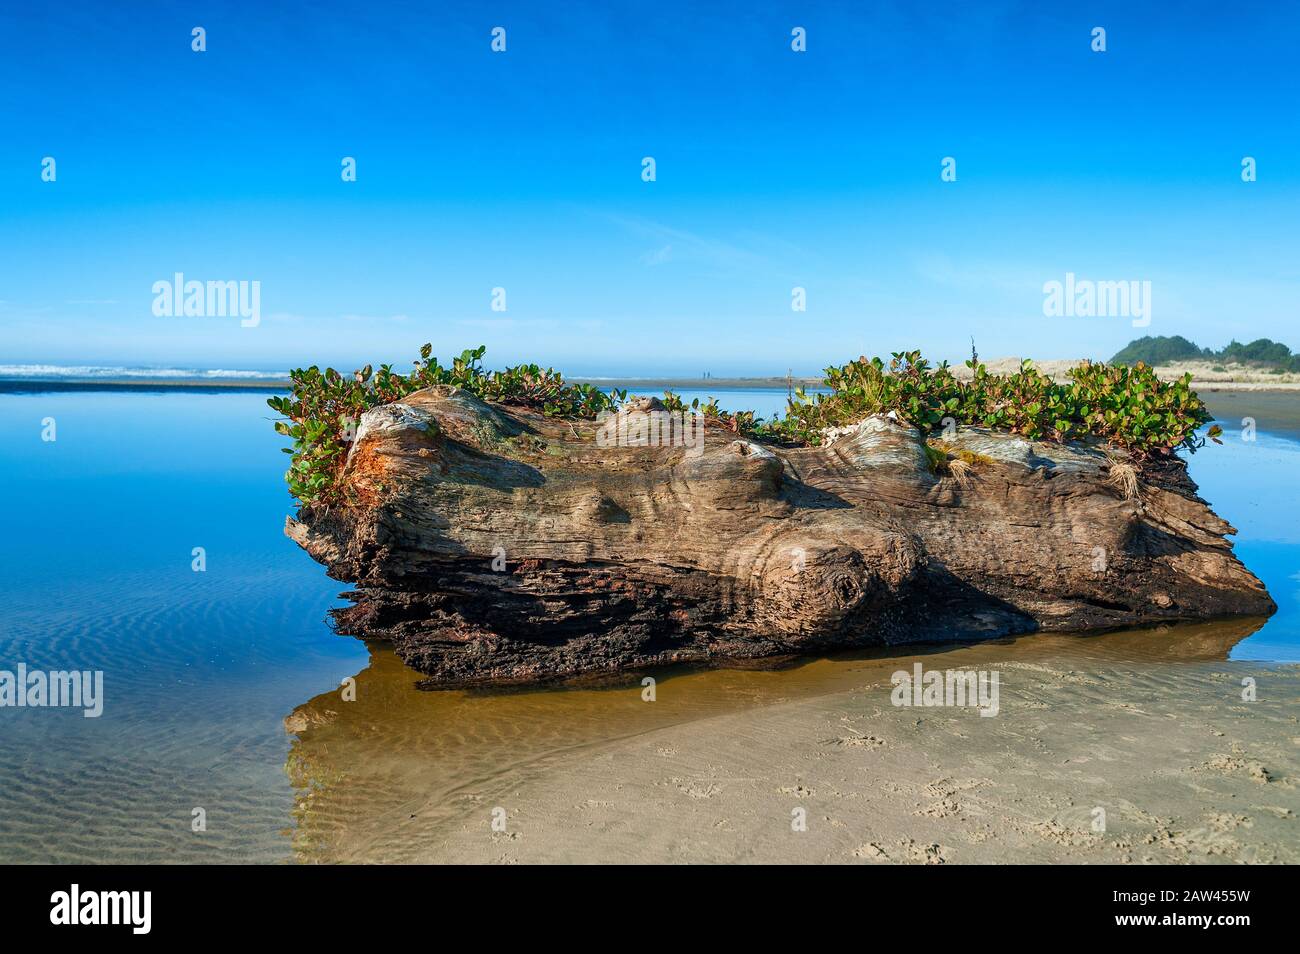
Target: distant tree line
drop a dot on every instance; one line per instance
(1162, 349)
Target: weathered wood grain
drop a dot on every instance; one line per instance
(609, 558)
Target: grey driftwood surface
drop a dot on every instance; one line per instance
(493, 544)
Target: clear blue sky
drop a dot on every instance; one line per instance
(522, 170)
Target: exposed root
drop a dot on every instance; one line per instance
(1123, 477)
(961, 471)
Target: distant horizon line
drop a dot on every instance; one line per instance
(144, 374)
(51, 371)
(86, 371)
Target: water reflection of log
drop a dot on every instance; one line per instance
(1187, 642)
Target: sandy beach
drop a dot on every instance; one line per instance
(1148, 727)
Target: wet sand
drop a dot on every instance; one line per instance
(1148, 726)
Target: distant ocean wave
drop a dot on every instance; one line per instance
(97, 372)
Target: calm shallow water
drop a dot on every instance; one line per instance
(201, 669)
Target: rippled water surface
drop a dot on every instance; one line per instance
(221, 686)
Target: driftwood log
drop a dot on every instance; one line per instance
(493, 544)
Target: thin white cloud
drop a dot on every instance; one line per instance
(659, 256)
(689, 246)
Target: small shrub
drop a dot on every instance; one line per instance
(1126, 406)
(323, 407)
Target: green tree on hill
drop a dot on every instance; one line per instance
(1162, 349)
(1259, 351)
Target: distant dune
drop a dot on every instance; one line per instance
(1206, 375)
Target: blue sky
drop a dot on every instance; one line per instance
(522, 170)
